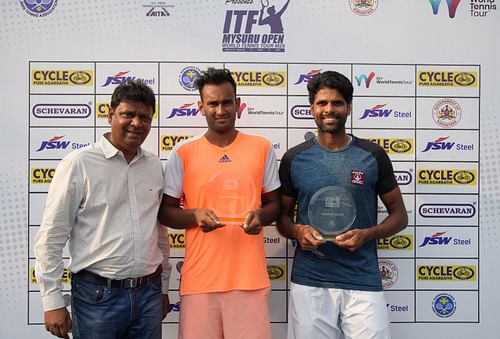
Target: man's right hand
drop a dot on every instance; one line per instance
(309, 239)
(207, 219)
(58, 322)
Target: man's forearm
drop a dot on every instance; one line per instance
(178, 218)
(391, 225)
(287, 227)
(271, 207)
(269, 213)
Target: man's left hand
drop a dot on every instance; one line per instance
(350, 240)
(252, 224)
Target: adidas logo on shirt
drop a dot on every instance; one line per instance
(224, 158)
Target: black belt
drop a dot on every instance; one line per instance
(124, 283)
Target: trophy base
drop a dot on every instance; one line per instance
(231, 220)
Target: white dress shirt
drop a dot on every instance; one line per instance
(107, 210)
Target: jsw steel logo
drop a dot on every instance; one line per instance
(305, 78)
(185, 110)
(439, 144)
(54, 143)
(120, 78)
(376, 112)
(436, 239)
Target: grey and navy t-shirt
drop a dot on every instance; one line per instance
(364, 170)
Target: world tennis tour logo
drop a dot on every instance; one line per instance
(476, 8)
(366, 78)
(255, 30)
(452, 6)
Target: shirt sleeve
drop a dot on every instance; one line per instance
(287, 187)
(271, 180)
(165, 249)
(174, 175)
(386, 181)
(63, 200)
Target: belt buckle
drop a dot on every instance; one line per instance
(130, 283)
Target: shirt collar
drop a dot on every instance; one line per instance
(110, 150)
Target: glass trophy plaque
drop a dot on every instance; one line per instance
(331, 211)
(231, 195)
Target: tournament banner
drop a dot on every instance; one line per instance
(425, 89)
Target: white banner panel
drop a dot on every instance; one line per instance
(425, 77)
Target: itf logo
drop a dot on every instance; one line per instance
(255, 30)
(452, 6)
(368, 79)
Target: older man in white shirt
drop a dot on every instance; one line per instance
(104, 201)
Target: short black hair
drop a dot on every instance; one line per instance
(214, 76)
(134, 90)
(333, 80)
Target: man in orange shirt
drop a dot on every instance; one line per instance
(228, 182)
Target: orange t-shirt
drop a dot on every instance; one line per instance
(227, 258)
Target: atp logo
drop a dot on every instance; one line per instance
(452, 7)
(367, 79)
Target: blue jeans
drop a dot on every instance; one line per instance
(102, 313)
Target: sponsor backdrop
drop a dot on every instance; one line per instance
(425, 74)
